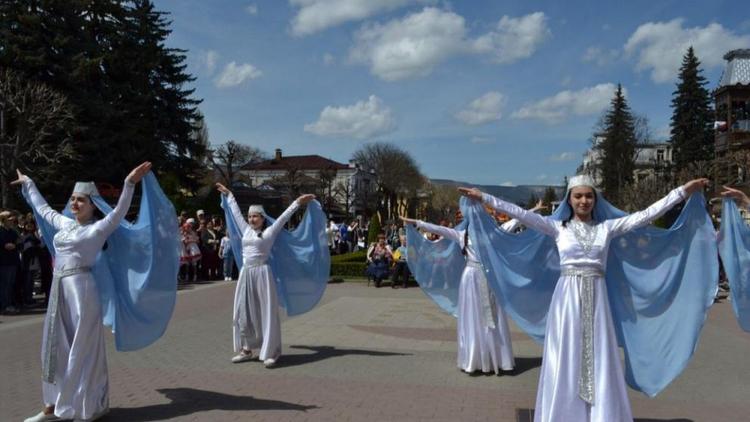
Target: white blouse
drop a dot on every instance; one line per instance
(581, 244)
(77, 245)
(257, 244)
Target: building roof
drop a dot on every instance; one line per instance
(738, 68)
(301, 162)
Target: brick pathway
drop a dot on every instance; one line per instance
(363, 354)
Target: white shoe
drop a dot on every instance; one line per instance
(242, 357)
(227, 278)
(42, 417)
(269, 363)
(96, 416)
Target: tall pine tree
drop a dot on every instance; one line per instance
(129, 92)
(692, 135)
(618, 147)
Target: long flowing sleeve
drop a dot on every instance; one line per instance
(234, 209)
(41, 206)
(275, 228)
(510, 226)
(530, 219)
(638, 219)
(109, 223)
(443, 231)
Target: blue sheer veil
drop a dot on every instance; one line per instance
(660, 284)
(137, 273)
(734, 247)
(437, 266)
(300, 259)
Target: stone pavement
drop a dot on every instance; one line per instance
(363, 354)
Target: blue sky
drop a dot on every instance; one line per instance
(488, 92)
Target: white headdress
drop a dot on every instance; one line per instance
(256, 209)
(581, 180)
(86, 188)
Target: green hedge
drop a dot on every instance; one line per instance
(348, 269)
(359, 256)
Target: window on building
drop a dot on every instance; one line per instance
(659, 155)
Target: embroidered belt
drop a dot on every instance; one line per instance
(587, 275)
(489, 310)
(49, 358)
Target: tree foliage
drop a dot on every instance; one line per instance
(398, 174)
(34, 129)
(618, 148)
(692, 135)
(229, 157)
(128, 91)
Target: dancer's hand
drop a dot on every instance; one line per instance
(472, 193)
(407, 220)
(137, 174)
(737, 195)
(21, 178)
(305, 199)
(695, 185)
(539, 206)
(223, 189)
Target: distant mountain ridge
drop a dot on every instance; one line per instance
(516, 194)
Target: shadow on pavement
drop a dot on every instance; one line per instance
(186, 401)
(326, 352)
(527, 415)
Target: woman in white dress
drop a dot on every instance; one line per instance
(581, 378)
(75, 383)
(484, 338)
(256, 306)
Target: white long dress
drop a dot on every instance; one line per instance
(583, 251)
(255, 319)
(80, 387)
(484, 342)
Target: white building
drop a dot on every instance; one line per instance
(650, 160)
(351, 186)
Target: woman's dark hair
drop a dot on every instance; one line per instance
(466, 240)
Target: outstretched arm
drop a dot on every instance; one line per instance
(529, 219)
(512, 225)
(278, 225)
(37, 201)
(234, 209)
(443, 231)
(657, 209)
(109, 223)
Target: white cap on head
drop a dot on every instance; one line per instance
(581, 180)
(199, 212)
(256, 209)
(86, 188)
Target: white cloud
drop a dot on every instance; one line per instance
(317, 15)
(234, 74)
(660, 46)
(562, 105)
(252, 9)
(484, 109)
(363, 120)
(565, 156)
(478, 140)
(600, 57)
(208, 60)
(508, 183)
(542, 177)
(328, 59)
(514, 38)
(412, 46)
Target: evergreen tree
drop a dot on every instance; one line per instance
(549, 197)
(692, 135)
(618, 147)
(127, 89)
(374, 230)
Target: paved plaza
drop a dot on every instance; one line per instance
(363, 354)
